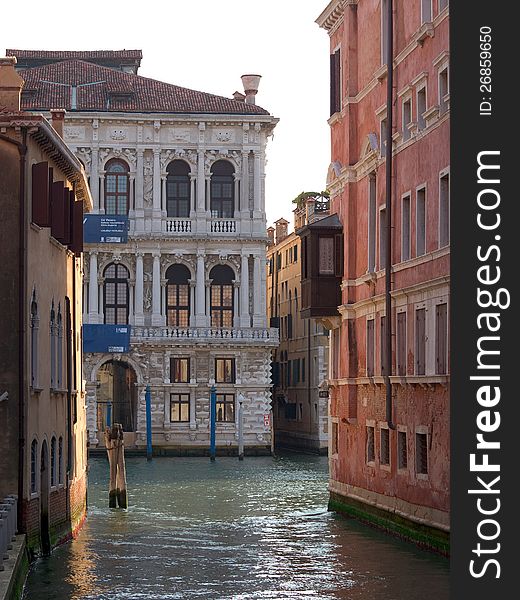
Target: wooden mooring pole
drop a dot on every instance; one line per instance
(115, 446)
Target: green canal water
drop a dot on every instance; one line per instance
(257, 529)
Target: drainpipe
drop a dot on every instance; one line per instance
(388, 258)
(22, 286)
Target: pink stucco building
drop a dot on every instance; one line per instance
(389, 464)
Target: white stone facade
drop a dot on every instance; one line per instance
(147, 143)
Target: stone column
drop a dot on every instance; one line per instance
(193, 200)
(208, 301)
(201, 180)
(258, 315)
(257, 184)
(245, 320)
(163, 195)
(93, 309)
(207, 184)
(244, 188)
(94, 179)
(102, 193)
(200, 303)
(236, 316)
(101, 290)
(139, 289)
(156, 289)
(139, 190)
(131, 305)
(236, 210)
(193, 284)
(156, 189)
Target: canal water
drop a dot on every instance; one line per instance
(230, 530)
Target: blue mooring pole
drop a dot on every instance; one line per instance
(109, 414)
(148, 398)
(212, 422)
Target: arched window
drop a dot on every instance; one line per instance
(116, 188)
(60, 460)
(222, 278)
(59, 354)
(178, 296)
(53, 346)
(222, 192)
(115, 296)
(34, 462)
(35, 323)
(53, 461)
(178, 199)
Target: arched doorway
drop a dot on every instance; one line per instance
(117, 395)
(45, 540)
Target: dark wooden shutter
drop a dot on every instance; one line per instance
(335, 82)
(420, 341)
(68, 199)
(40, 194)
(370, 348)
(57, 210)
(401, 343)
(441, 338)
(338, 255)
(383, 346)
(76, 245)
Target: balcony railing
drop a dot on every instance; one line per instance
(223, 226)
(251, 335)
(178, 225)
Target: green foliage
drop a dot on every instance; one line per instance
(304, 196)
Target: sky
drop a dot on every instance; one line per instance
(207, 45)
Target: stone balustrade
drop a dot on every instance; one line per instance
(249, 335)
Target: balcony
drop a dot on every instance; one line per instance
(182, 226)
(190, 335)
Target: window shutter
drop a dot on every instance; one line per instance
(370, 348)
(401, 341)
(332, 84)
(420, 345)
(68, 199)
(40, 194)
(57, 210)
(76, 244)
(441, 339)
(338, 255)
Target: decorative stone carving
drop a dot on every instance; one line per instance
(223, 136)
(212, 156)
(179, 135)
(148, 181)
(74, 132)
(118, 133)
(168, 155)
(84, 154)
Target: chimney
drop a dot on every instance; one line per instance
(250, 83)
(281, 229)
(270, 236)
(10, 84)
(239, 96)
(57, 118)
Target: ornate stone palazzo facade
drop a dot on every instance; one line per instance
(200, 240)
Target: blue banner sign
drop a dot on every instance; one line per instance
(106, 338)
(108, 229)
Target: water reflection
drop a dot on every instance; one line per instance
(230, 530)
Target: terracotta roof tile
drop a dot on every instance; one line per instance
(97, 87)
(74, 54)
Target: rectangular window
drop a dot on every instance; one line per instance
(441, 339)
(421, 108)
(226, 408)
(426, 11)
(335, 82)
(421, 453)
(444, 88)
(401, 344)
(300, 411)
(420, 237)
(179, 408)
(225, 370)
(444, 210)
(326, 255)
(290, 412)
(384, 32)
(383, 346)
(303, 369)
(180, 370)
(372, 211)
(420, 341)
(402, 451)
(384, 454)
(334, 438)
(370, 447)
(370, 347)
(382, 238)
(405, 228)
(407, 118)
(383, 134)
(295, 253)
(443, 4)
